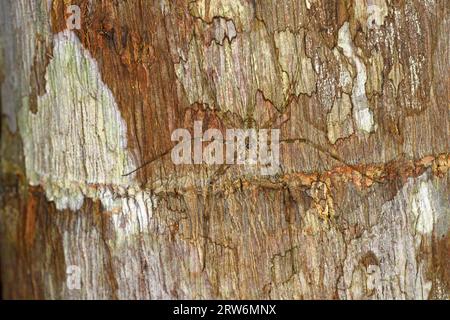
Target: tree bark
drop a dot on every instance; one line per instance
(359, 208)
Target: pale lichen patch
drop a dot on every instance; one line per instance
(377, 11)
(295, 62)
(77, 139)
(371, 13)
(27, 23)
(228, 75)
(423, 209)
(401, 268)
(239, 11)
(135, 214)
(361, 112)
(224, 29)
(339, 119)
(308, 4)
(345, 72)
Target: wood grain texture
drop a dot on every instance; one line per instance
(358, 210)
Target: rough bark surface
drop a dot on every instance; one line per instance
(358, 210)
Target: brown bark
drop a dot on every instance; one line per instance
(358, 210)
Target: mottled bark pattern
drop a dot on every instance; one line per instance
(359, 208)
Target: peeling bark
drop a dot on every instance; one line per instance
(359, 208)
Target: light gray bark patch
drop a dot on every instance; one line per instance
(21, 22)
(76, 142)
(361, 112)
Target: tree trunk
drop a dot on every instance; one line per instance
(92, 205)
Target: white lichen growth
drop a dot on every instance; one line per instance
(361, 112)
(377, 11)
(75, 145)
(135, 214)
(422, 207)
(370, 14)
(22, 22)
